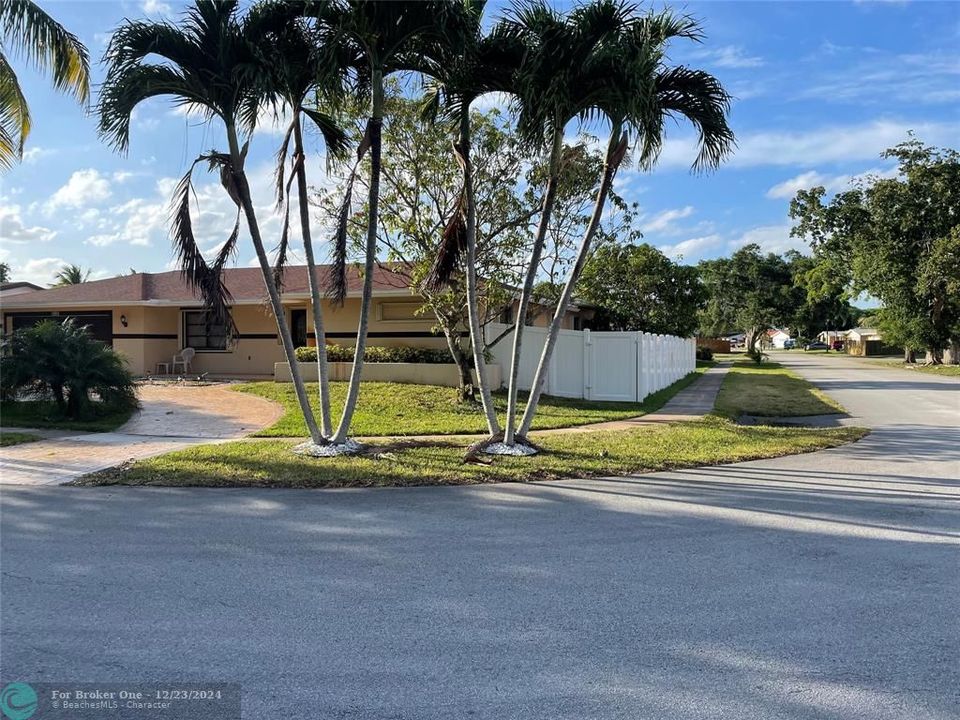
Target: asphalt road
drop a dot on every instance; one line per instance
(820, 586)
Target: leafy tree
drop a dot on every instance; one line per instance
(4, 272)
(892, 238)
(70, 275)
(749, 291)
(28, 32)
(638, 288)
(209, 61)
(63, 362)
(820, 301)
(419, 189)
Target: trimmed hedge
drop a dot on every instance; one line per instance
(376, 354)
(704, 353)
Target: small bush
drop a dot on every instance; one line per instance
(705, 354)
(378, 354)
(63, 363)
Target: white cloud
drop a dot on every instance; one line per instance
(39, 271)
(15, 231)
(692, 249)
(85, 187)
(156, 7)
(806, 148)
(730, 56)
(37, 153)
(663, 222)
(831, 183)
(770, 238)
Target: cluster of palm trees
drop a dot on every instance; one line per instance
(603, 63)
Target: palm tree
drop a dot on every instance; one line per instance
(468, 65)
(374, 38)
(551, 92)
(28, 31)
(209, 63)
(298, 67)
(70, 275)
(635, 93)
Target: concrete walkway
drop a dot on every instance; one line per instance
(172, 417)
(691, 403)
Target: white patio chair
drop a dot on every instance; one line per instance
(183, 358)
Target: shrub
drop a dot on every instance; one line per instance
(704, 353)
(378, 354)
(62, 362)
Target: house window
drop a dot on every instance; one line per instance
(401, 312)
(202, 333)
(577, 323)
(506, 315)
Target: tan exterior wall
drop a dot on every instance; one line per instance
(153, 334)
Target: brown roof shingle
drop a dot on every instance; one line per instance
(245, 286)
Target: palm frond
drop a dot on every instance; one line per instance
(453, 244)
(334, 138)
(206, 279)
(32, 34)
(14, 116)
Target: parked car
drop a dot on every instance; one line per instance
(816, 346)
(789, 344)
(837, 344)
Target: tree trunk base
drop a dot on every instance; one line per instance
(312, 449)
(518, 449)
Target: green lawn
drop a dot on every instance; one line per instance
(270, 463)
(17, 438)
(770, 390)
(393, 409)
(945, 370)
(43, 414)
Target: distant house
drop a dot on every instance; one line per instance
(17, 288)
(864, 341)
(777, 337)
(831, 336)
(149, 317)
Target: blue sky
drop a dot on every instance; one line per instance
(822, 88)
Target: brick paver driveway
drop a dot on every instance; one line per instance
(172, 417)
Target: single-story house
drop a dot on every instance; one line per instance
(149, 317)
(17, 288)
(831, 336)
(864, 341)
(777, 337)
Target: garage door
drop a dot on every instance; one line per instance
(99, 324)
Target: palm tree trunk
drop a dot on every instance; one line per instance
(536, 390)
(283, 328)
(373, 202)
(532, 269)
(323, 371)
(473, 309)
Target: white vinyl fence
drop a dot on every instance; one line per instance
(618, 366)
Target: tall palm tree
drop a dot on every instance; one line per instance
(375, 38)
(635, 92)
(468, 64)
(211, 64)
(298, 68)
(550, 94)
(70, 275)
(28, 31)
